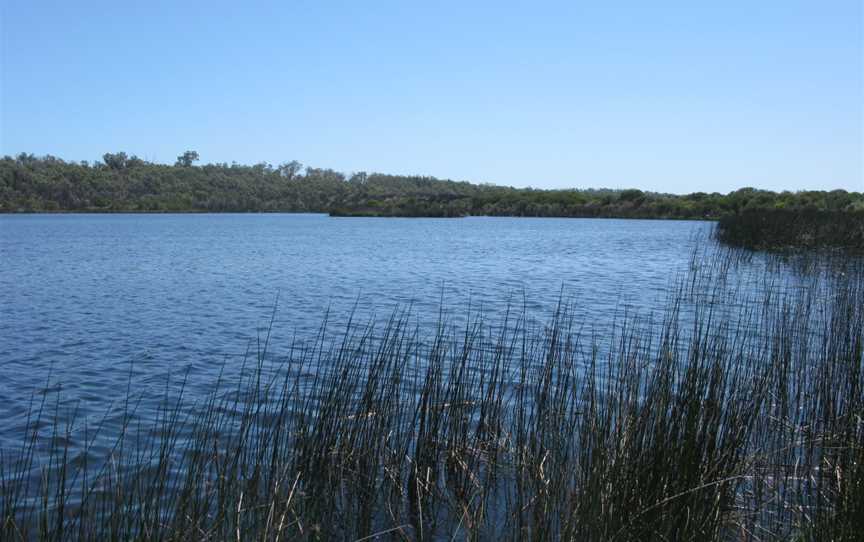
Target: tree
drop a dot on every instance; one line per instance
(290, 170)
(134, 162)
(115, 160)
(631, 194)
(186, 159)
(358, 178)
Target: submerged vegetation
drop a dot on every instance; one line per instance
(715, 423)
(123, 183)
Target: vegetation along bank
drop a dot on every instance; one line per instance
(121, 183)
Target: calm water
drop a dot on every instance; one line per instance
(88, 300)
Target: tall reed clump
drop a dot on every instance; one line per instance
(715, 423)
(793, 228)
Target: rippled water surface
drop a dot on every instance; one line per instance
(91, 304)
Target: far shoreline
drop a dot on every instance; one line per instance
(337, 215)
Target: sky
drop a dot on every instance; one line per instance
(663, 96)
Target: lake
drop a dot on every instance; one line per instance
(106, 319)
(97, 306)
(85, 296)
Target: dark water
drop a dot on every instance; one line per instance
(91, 304)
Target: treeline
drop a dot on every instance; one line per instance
(121, 183)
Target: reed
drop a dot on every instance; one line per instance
(708, 424)
(793, 228)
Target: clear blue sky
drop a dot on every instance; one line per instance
(665, 96)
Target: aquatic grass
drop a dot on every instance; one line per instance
(767, 228)
(715, 422)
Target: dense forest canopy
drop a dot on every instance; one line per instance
(128, 183)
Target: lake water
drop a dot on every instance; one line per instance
(91, 304)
